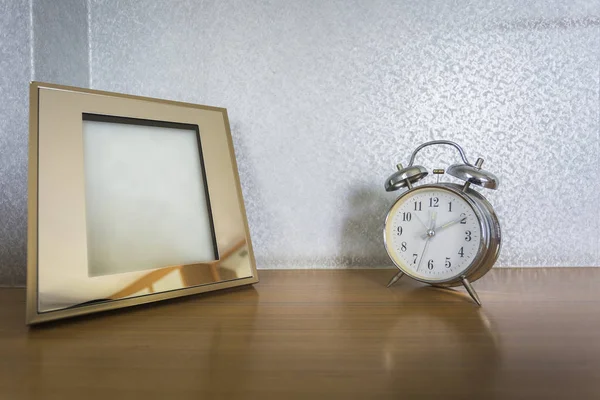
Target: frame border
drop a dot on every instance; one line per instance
(32, 315)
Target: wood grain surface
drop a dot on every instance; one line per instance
(332, 334)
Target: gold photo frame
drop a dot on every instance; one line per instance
(131, 200)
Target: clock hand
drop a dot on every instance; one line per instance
(444, 226)
(430, 232)
(454, 221)
(423, 254)
(421, 221)
(433, 218)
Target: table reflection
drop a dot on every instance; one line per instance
(448, 346)
(309, 333)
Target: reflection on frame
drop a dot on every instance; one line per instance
(234, 264)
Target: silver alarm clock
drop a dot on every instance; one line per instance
(443, 234)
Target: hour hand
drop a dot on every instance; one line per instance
(433, 218)
(430, 230)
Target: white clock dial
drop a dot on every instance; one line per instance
(433, 234)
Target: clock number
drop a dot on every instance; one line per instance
(430, 264)
(461, 252)
(415, 258)
(447, 264)
(406, 216)
(403, 247)
(450, 207)
(463, 220)
(433, 202)
(417, 206)
(468, 236)
(399, 231)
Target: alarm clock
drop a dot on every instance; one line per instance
(444, 234)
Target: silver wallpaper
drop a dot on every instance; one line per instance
(325, 97)
(15, 70)
(61, 42)
(44, 40)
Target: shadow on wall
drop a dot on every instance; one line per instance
(362, 231)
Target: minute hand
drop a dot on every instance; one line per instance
(446, 225)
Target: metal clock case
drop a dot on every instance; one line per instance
(459, 250)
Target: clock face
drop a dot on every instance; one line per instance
(433, 234)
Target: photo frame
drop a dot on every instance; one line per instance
(131, 200)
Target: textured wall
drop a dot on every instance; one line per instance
(42, 40)
(61, 42)
(15, 71)
(326, 96)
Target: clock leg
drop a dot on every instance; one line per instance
(395, 279)
(471, 291)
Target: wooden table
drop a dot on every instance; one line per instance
(332, 334)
